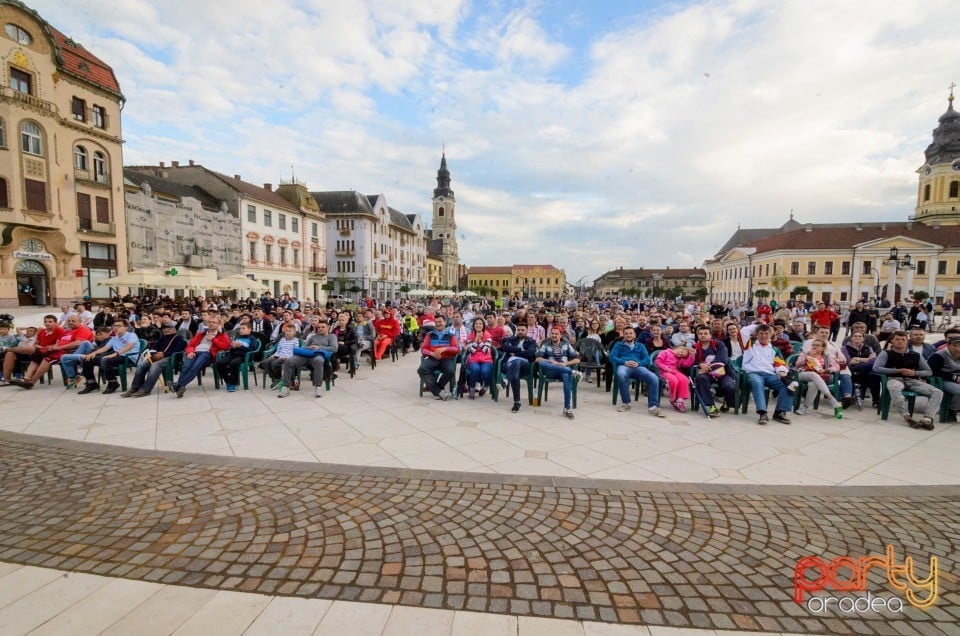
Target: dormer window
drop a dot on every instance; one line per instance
(18, 34)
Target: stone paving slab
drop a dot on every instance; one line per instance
(628, 552)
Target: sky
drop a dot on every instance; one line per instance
(585, 135)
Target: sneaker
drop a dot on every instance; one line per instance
(655, 411)
(275, 383)
(73, 382)
(231, 388)
(780, 416)
(680, 405)
(801, 410)
(793, 386)
(317, 391)
(128, 393)
(713, 412)
(482, 392)
(577, 375)
(111, 388)
(89, 388)
(848, 401)
(567, 413)
(516, 407)
(911, 422)
(444, 395)
(473, 394)
(724, 407)
(623, 408)
(180, 392)
(503, 384)
(140, 394)
(763, 419)
(926, 423)
(284, 392)
(838, 412)
(4, 382)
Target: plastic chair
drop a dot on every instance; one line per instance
(884, 407)
(530, 378)
(453, 382)
(804, 386)
(592, 356)
(543, 387)
(249, 359)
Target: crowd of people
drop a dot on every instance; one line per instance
(711, 354)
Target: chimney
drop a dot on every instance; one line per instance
(175, 164)
(162, 164)
(268, 186)
(809, 228)
(191, 162)
(237, 177)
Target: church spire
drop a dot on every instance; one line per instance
(443, 178)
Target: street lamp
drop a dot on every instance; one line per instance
(894, 264)
(876, 289)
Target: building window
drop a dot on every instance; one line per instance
(811, 268)
(828, 268)
(845, 268)
(441, 211)
(251, 214)
(36, 195)
(103, 210)
(99, 262)
(80, 158)
(941, 267)
(314, 231)
(253, 251)
(294, 225)
(20, 81)
(268, 218)
(3, 134)
(954, 189)
(283, 255)
(18, 34)
(78, 108)
(867, 267)
(921, 267)
(99, 116)
(4, 201)
(84, 212)
(31, 138)
(282, 221)
(926, 192)
(100, 166)
(296, 257)
(268, 253)
(794, 268)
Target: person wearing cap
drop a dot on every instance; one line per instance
(151, 366)
(945, 364)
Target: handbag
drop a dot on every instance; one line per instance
(303, 352)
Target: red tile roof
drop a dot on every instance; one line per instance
(506, 269)
(253, 191)
(75, 60)
(844, 236)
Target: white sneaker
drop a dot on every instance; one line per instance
(577, 375)
(623, 408)
(444, 395)
(284, 392)
(793, 386)
(317, 391)
(655, 411)
(802, 409)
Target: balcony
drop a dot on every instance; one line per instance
(91, 226)
(344, 231)
(86, 176)
(344, 252)
(8, 94)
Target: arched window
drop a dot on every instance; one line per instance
(99, 166)
(31, 138)
(954, 189)
(4, 201)
(926, 192)
(441, 211)
(80, 158)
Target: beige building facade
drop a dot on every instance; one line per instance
(527, 281)
(61, 178)
(649, 282)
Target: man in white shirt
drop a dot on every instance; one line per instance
(757, 363)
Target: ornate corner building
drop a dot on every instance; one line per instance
(61, 176)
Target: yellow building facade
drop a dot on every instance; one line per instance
(527, 281)
(434, 272)
(61, 170)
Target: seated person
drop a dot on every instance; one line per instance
(629, 360)
(522, 351)
(146, 330)
(945, 364)
(8, 339)
(846, 380)
(557, 358)
(780, 340)
(904, 370)
(122, 346)
(285, 346)
(868, 338)
(916, 342)
(31, 347)
(321, 340)
(439, 348)
(479, 361)
(388, 329)
(158, 358)
(817, 368)
(366, 334)
(201, 351)
(74, 337)
(672, 365)
(347, 338)
(72, 363)
(860, 359)
(684, 336)
(758, 365)
(713, 367)
(229, 365)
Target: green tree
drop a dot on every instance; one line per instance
(801, 290)
(779, 283)
(404, 289)
(762, 293)
(328, 286)
(921, 295)
(700, 293)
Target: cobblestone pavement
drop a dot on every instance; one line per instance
(705, 556)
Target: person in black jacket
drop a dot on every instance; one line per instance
(522, 351)
(151, 365)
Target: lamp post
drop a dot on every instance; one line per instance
(876, 289)
(363, 281)
(894, 264)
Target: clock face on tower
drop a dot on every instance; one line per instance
(956, 165)
(440, 199)
(927, 170)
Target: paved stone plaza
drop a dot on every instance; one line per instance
(382, 511)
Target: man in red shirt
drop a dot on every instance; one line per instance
(46, 338)
(764, 312)
(69, 341)
(388, 328)
(823, 316)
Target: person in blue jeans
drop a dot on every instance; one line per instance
(557, 359)
(70, 363)
(630, 361)
(522, 351)
(757, 363)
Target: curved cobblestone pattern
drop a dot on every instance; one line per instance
(658, 554)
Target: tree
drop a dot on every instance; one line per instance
(328, 286)
(354, 289)
(404, 289)
(700, 293)
(801, 290)
(762, 293)
(921, 295)
(779, 283)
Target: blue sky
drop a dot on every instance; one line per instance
(586, 135)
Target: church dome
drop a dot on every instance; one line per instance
(946, 137)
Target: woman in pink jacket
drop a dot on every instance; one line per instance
(479, 358)
(673, 365)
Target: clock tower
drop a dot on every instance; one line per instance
(445, 226)
(938, 194)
